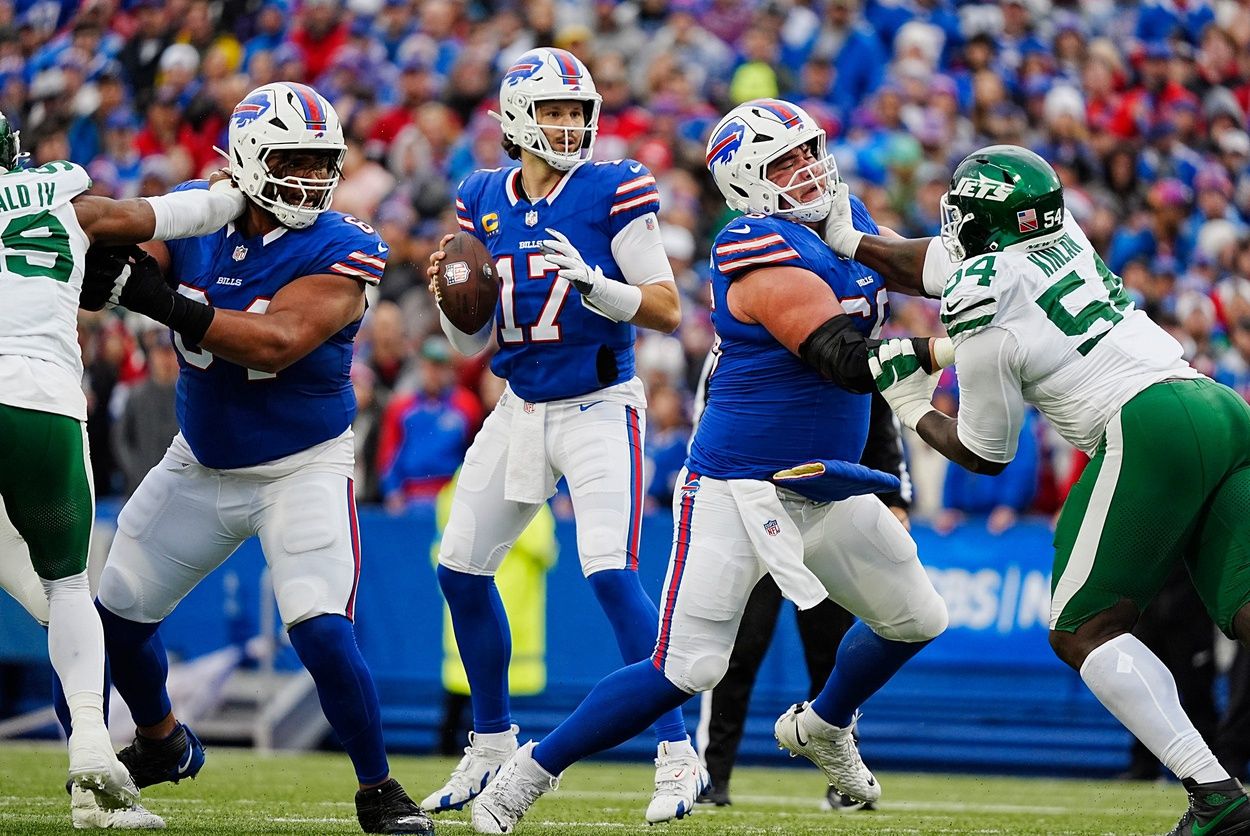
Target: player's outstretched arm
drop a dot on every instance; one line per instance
(801, 312)
(184, 214)
(900, 261)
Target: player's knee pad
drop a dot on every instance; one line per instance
(460, 551)
(696, 674)
(601, 540)
(926, 619)
(121, 593)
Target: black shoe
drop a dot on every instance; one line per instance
(717, 794)
(839, 803)
(386, 808)
(1220, 808)
(181, 755)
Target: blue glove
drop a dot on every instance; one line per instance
(829, 480)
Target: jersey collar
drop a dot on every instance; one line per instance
(512, 186)
(268, 238)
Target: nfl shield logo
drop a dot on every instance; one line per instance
(529, 408)
(456, 273)
(531, 217)
(240, 253)
(772, 528)
(1027, 220)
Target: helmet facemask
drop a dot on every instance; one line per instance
(583, 137)
(953, 220)
(821, 172)
(294, 200)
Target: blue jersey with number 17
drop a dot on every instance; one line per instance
(767, 410)
(233, 416)
(551, 346)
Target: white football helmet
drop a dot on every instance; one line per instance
(753, 135)
(547, 74)
(285, 116)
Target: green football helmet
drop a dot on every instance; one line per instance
(10, 146)
(999, 196)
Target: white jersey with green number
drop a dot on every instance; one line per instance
(1047, 321)
(42, 251)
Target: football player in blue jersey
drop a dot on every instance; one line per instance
(581, 263)
(263, 319)
(794, 326)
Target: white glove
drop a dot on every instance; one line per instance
(615, 300)
(841, 236)
(902, 382)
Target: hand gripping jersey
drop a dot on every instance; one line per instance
(766, 409)
(550, 345)
(1081, 350)
(41, 271)
(237, 417)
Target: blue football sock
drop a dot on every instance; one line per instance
(864, 663)
(619, 707)
(635, 620)
(326, 644)
(481, 628)
(137, 660)
(62, 707)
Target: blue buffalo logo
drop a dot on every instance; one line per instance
(250, 109)
(725, 144)
(524, 68)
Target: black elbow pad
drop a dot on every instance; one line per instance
(840, 353)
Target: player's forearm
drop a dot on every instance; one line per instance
(900, 261)
(660, 309)
(941, 432)
(264, 342)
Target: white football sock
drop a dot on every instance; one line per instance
(1139, 690)
(76, 647)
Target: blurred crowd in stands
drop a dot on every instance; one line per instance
(1141, 107)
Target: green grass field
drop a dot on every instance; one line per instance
(240, 792)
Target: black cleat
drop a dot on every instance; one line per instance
(714, 794)
(181, 755)
(840, 803)
(1220, 808)
(386, 808)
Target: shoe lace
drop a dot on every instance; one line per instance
(517, 793)
(468, 772)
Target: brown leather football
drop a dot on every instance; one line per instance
(468, 283)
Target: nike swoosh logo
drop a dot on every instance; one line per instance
(678, 774)
(1203, 829)
(382, 247)
(186, 763)
(636, 167)
(798, 734)
(585, 406)
(742, 229)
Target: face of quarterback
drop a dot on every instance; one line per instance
(798, 174)
(563, 121)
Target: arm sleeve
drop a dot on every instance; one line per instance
(937, 268)
(639, 251)
(991, 406)
(466, 344)
(190, 214)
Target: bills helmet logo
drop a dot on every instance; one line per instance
(524, 68)
(1027, 220)
(772, 527)
(250, 109)
(725, 144)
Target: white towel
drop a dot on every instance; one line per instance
(777, 541)
(528, 477)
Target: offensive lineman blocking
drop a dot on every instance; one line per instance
(1036, 316)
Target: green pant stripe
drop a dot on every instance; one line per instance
(1089, 536)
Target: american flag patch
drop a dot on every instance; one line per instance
(1027, 220)
(772, 528)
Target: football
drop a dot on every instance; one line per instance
(468, 283)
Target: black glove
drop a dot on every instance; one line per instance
(129, 277)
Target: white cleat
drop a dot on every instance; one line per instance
(802, 732)
(679, 778)
(89, 815)
(518, 785)
(93, 765)
(482, 759)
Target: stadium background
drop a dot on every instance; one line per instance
(1141, 107)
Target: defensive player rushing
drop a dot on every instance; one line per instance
(45, 473)
(558, 226)
(1036, 316)
(263, 321)
(793, 323)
